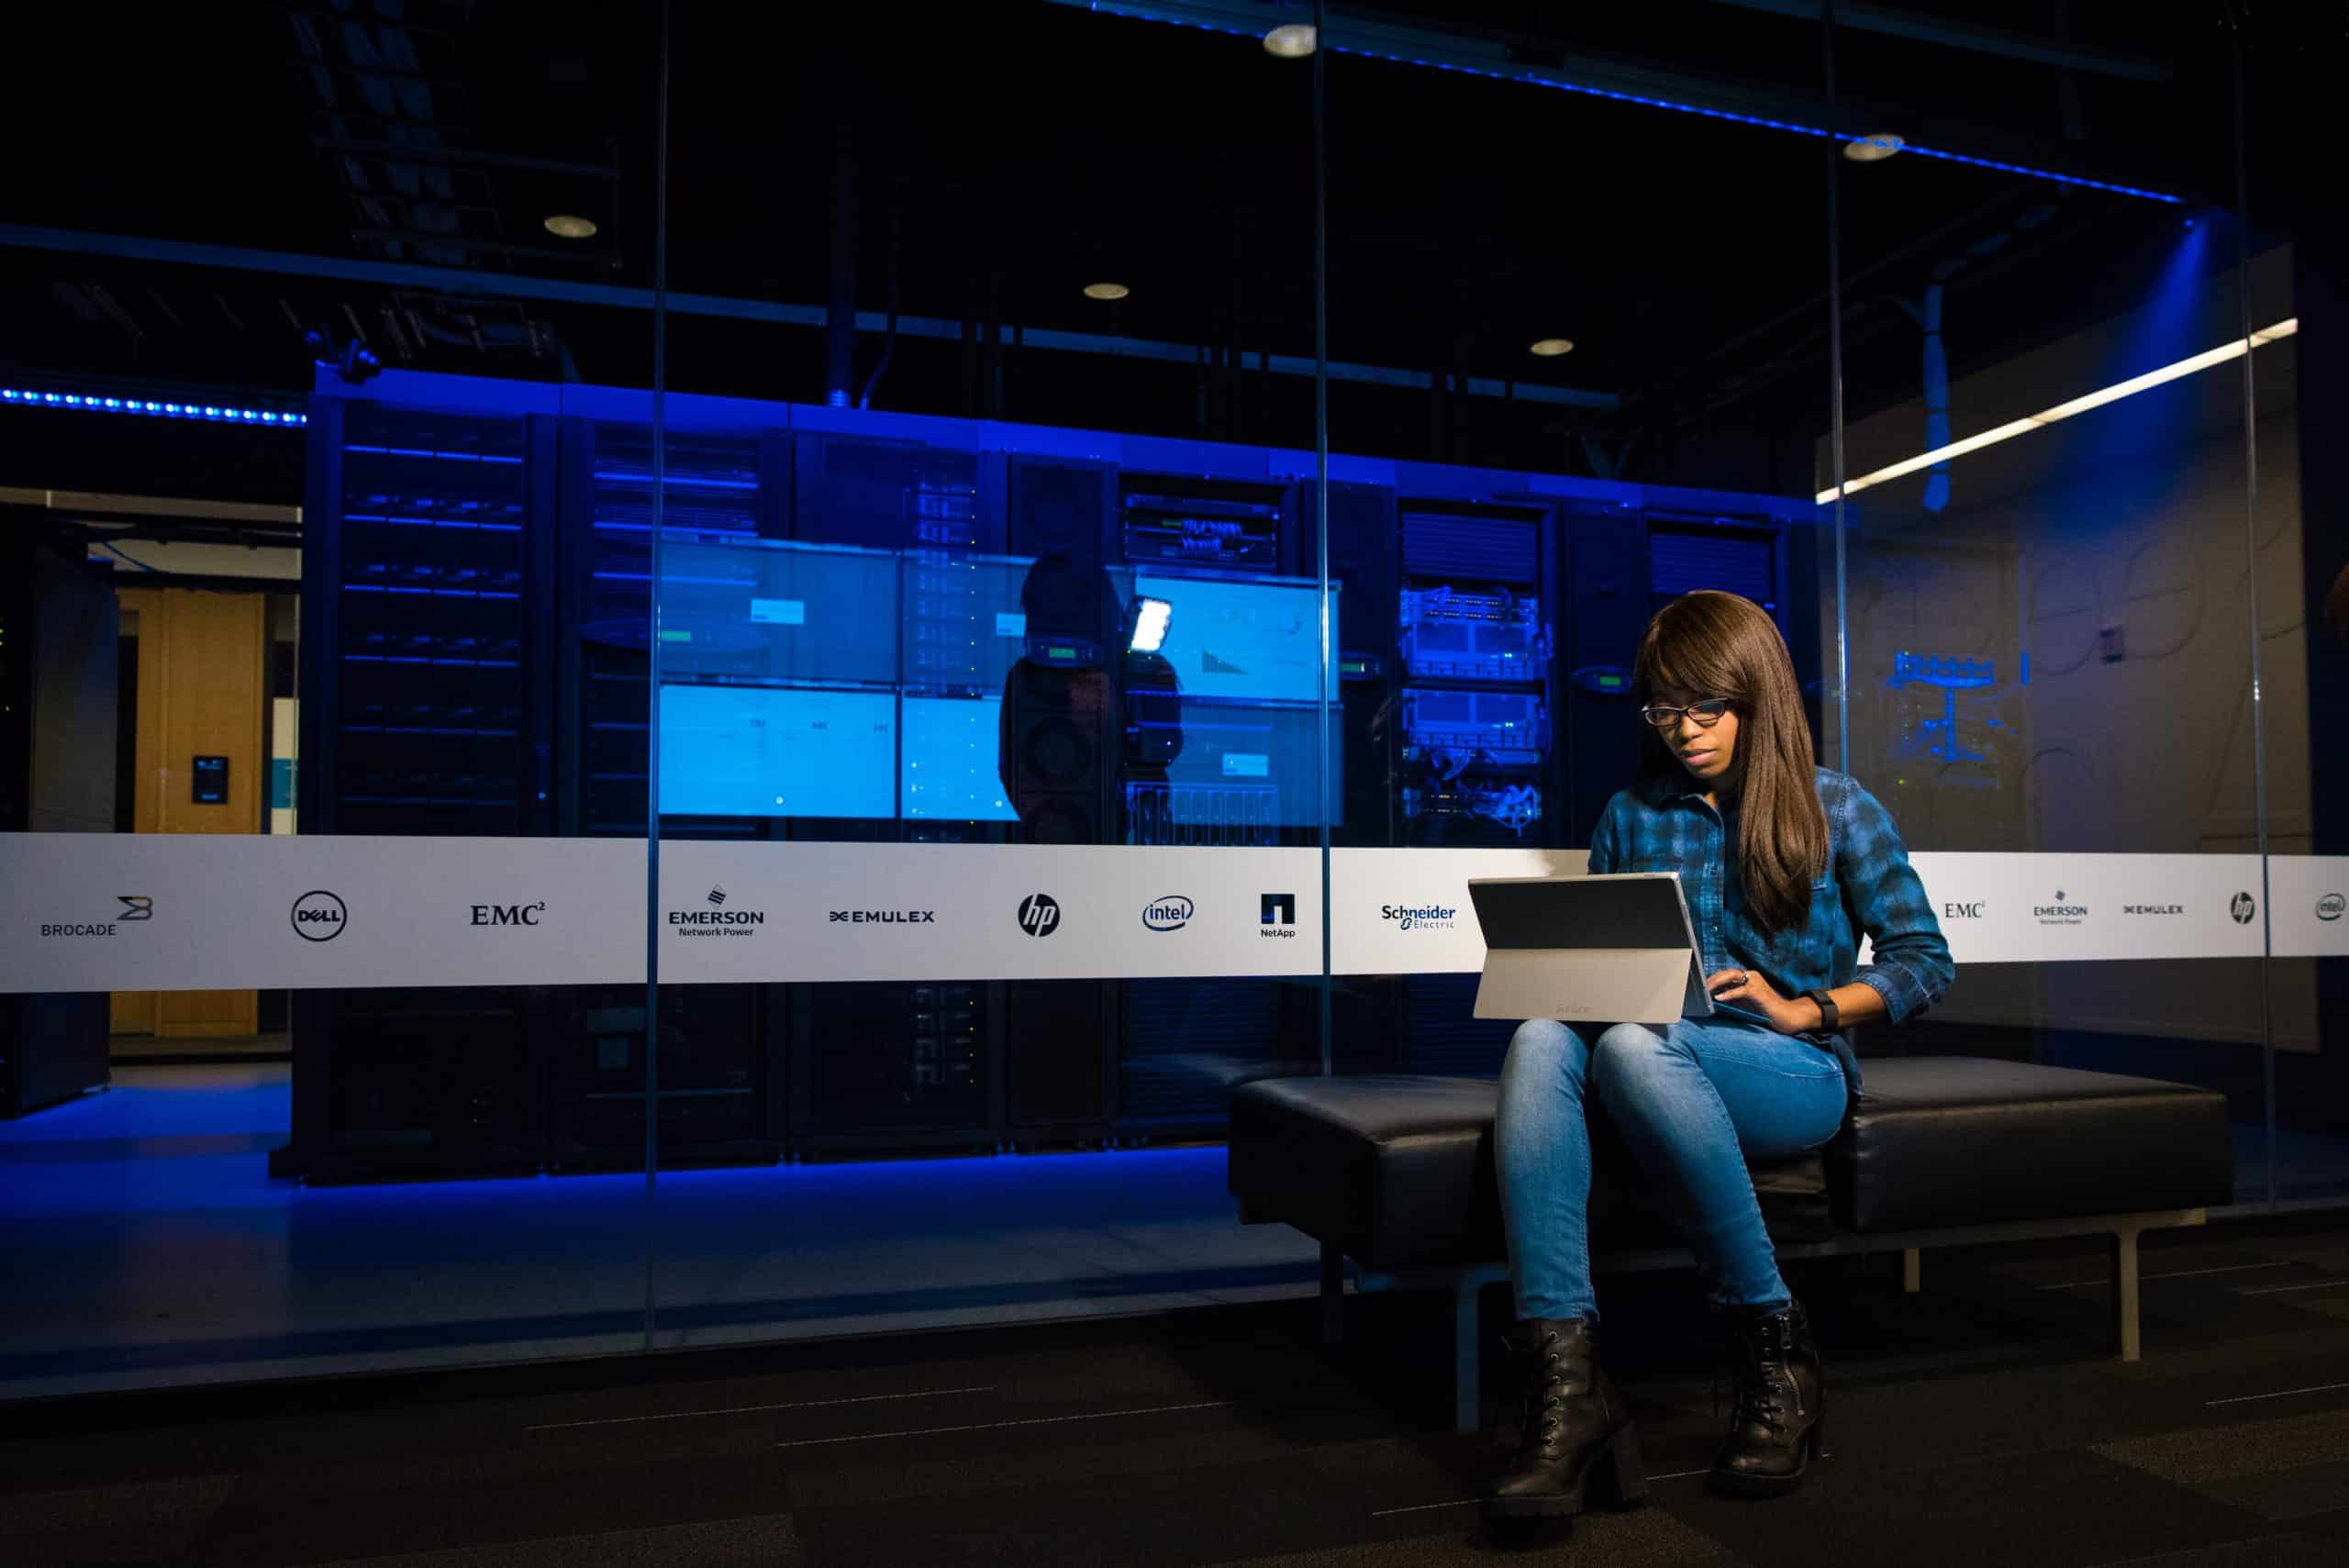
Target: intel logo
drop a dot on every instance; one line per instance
(1169, 914)
(2330, 907)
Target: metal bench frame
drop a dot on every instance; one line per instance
(1467, 1282)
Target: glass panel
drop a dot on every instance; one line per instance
(297, 630)
(989, 666)
(1558, 401)
(2047, 612)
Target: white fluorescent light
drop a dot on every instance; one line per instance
(1293, 41)
(2096, 399)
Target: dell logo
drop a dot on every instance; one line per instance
(507, 914)
(1038, 915)
(319, 917)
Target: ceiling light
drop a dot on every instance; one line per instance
(1107, 291)
(571, 225)
(1550, 348)
(2096, 399)
(1292, 40)
(1873, 149)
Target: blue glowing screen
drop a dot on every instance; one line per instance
(951, 746)
(777, 752)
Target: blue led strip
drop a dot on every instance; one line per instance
(214, 413)
(1532, 80)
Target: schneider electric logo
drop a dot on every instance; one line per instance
(884, 917)
(1419, 916)
(1276, 915)
(508, 914)
(1171, 913)
(718, 919)
(2063, 912)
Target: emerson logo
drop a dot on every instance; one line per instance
(1419, 916)
(1171, 913)
(1040, 915)
(508, 914)
(2063, 912)
(716, 920)
(884, 916)
(319, 917)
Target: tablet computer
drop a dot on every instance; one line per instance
(1612, 949)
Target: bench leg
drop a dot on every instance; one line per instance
(1468, 1386)
(1333, 1296)
(2124, 1291)
(1911, 1271)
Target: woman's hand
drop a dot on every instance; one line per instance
(1743, 988)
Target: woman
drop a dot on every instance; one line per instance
(1783, 863)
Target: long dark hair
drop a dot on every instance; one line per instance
(1709, 644)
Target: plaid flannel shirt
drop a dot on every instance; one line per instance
(1665, 825)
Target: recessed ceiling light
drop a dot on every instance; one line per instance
(1293, 41)
(570, 226)
(1550, 348)
(1107, 291)
(1873, 149)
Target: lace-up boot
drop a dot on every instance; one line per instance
(1775, 1422)
(1575, 1431)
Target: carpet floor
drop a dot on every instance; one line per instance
(1980, 1420)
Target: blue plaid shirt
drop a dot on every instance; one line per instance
(1665, 825)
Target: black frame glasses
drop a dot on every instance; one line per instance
(1705, 711)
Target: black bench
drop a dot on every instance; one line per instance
(1393, 1175)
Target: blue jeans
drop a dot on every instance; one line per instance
(1691, 1100)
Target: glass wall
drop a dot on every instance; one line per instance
(329, 1051)
(2046, 551)
(740, 668)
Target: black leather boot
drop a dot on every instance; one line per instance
(1576, 1432)
(1774, 1424)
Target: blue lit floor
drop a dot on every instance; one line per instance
(148, 1246)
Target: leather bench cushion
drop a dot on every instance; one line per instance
(1396, 1171)
(1943, 1140)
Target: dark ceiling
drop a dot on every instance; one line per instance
(980, 163)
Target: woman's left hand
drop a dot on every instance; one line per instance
(1743, 988)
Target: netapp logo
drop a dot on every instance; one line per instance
(2331, 906)
(508, 914)
(1276, 915)
(2242, 909)
(1038, 915)
(884, 916)
(2061, 913)
(2153, 909)
(1419, 916)
(319, 917)
(1171, 913)
(1962, 911)
(716, 920)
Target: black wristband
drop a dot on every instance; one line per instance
(1831, 1016)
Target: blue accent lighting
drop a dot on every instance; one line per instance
(98, 403)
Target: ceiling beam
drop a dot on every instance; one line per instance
(2035, 48)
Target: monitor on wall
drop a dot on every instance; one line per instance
(777, 752)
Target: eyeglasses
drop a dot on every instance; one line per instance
(1707, 713)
